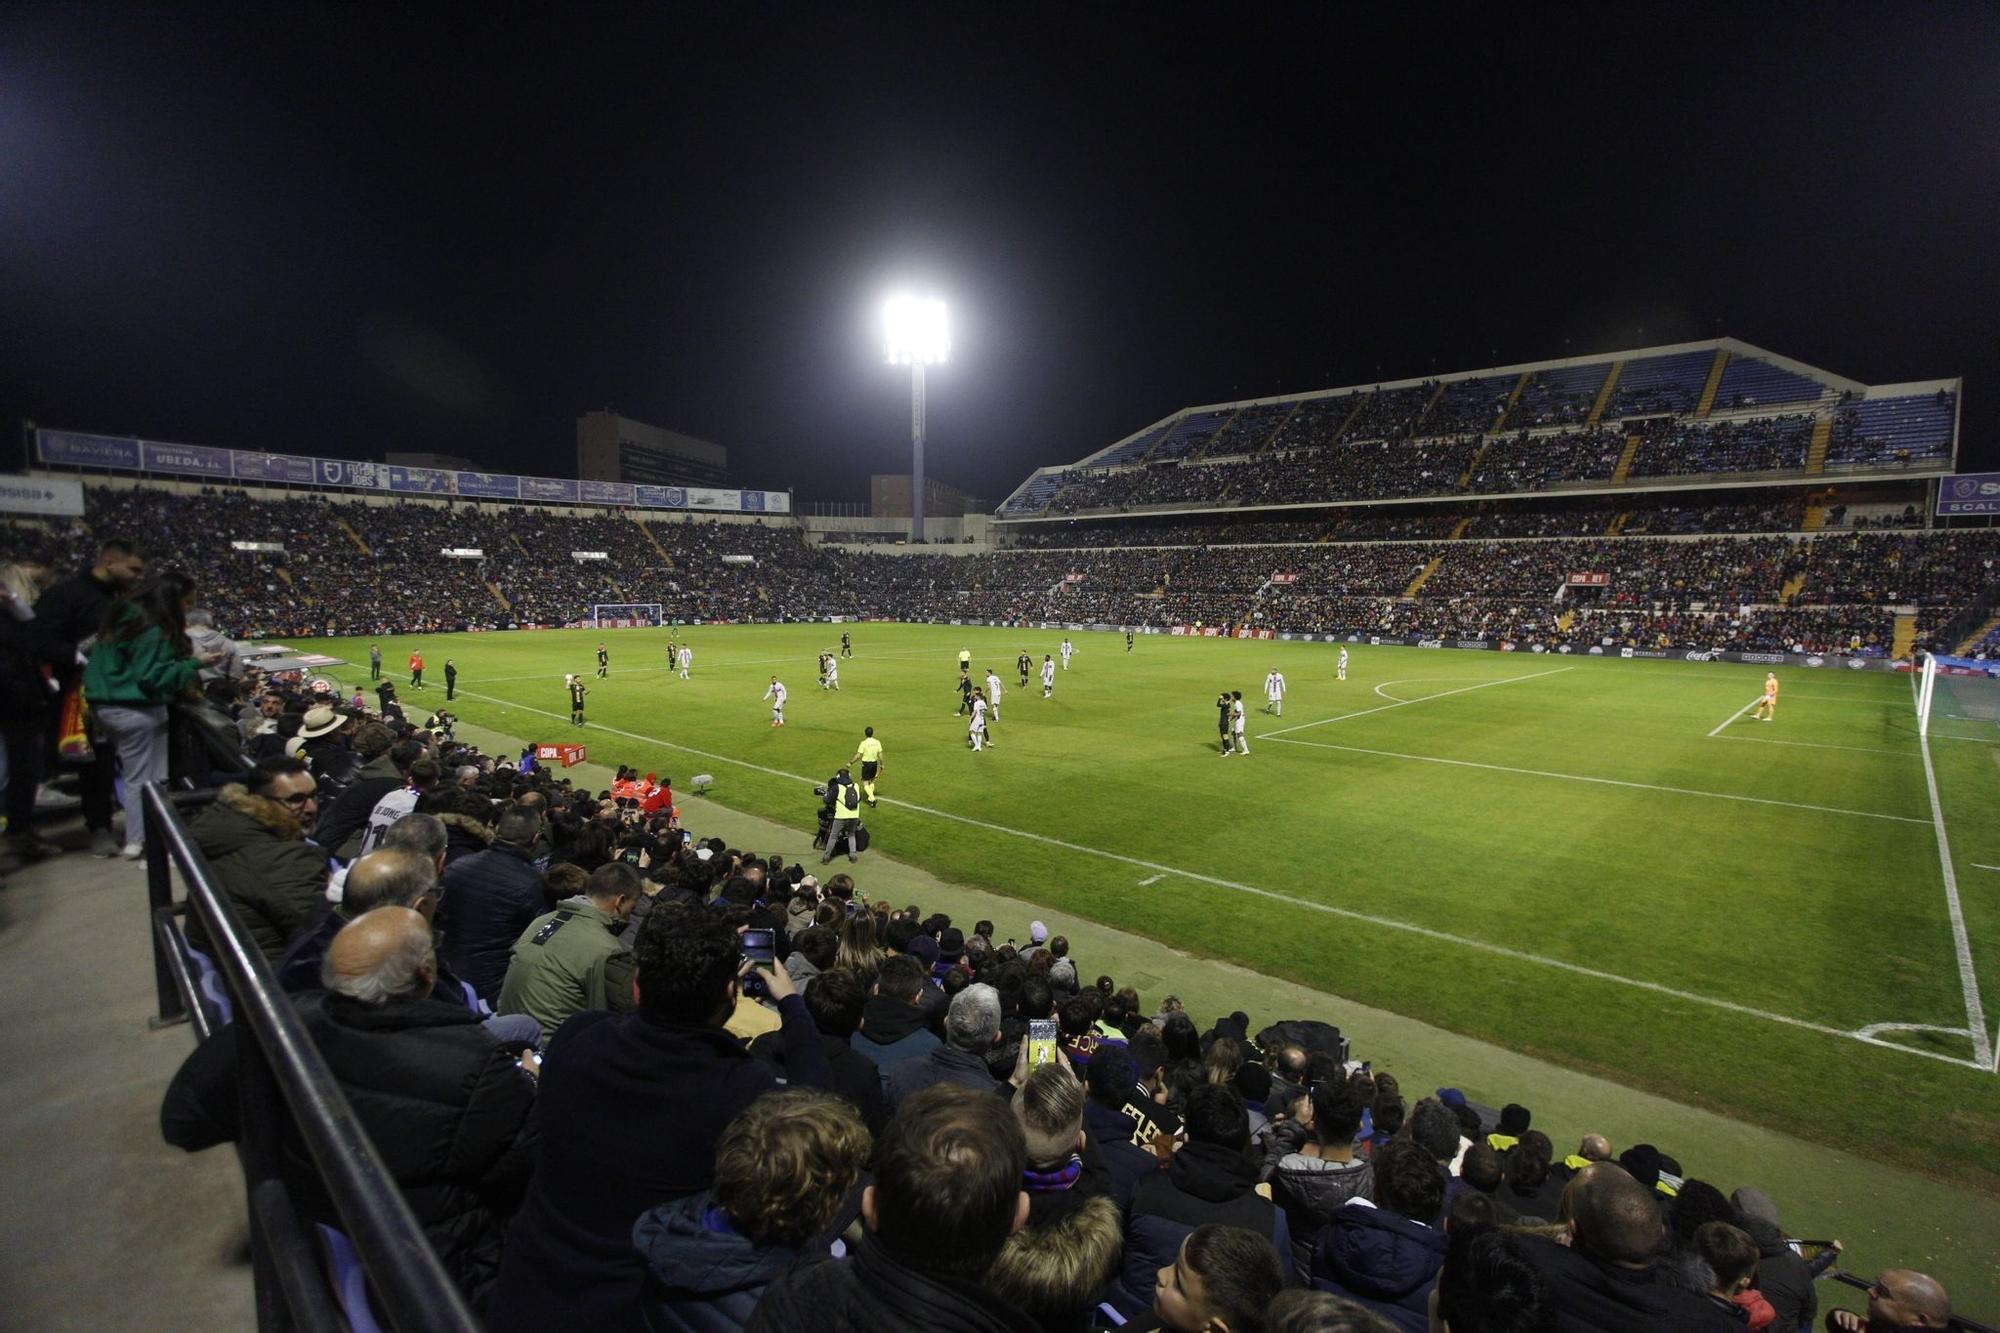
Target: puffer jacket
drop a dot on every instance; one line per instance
(275, 878)
(1205, 1182)
(464, 835)
(1311, 1190)
(1381, 1259)
(448, 1109)
(486, 901)
(702, 1275)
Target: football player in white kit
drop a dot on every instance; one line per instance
(1068, 651)
(776, 694)
(1341, 668)
(687, 660)
(1274, 692)
(1236, 720)
(975, 731)
(1048, 675)
(993, 694)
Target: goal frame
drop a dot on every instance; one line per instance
(603, 611)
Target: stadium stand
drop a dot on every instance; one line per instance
(521, 1218)
(1750, 382)
(1912, 428)
(1658, 385)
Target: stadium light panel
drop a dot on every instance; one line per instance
(915, 330)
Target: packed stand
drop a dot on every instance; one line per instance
(1532, 463)
(1756, 444)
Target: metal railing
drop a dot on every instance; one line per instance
(281, 1078)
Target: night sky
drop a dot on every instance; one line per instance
(359, 228)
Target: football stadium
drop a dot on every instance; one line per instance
(1475, 842)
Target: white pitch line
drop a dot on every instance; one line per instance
(1733, 716)
(1364, 712)
(1328, 909)
(1977, 866)
(1608, 782)
(712, 664)
(1968, 976)
(1814, 745)
(1152, 880)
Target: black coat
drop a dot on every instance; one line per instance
(487, 900)
(871, 1292)
(1595, 1297)
(640, 1105)
(446, 1106)
(1204, 1183)
(855, 1076)
(69, 612)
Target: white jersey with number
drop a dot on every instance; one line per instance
(978, 713)
(1066, 651)
(1274, 686)
(993, 689)
(1048, 674)
(776, 694)
(687, 657)
(1236, 716)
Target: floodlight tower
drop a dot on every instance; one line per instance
(916, 335)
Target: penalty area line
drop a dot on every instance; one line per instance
(1733, 716)
(1305, 904)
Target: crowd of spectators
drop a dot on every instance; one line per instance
(1671, 446)
(517, 981)
(1339, 571)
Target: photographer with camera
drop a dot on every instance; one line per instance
(843, 806)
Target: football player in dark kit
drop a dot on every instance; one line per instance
(1224, 706)
(1024, 664)
(964, 692)
(603, 661)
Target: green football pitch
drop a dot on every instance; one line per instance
(1600, 862)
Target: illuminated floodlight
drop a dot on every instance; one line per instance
(915, 331)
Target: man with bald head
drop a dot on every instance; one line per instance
(451, 1110)
(1605, 1277)
(1594, 1148)
(1901, 1298)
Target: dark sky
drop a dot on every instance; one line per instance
(356, 228)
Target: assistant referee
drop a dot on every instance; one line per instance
(869, 756)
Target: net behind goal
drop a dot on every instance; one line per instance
(1960, 694)
(625, 615)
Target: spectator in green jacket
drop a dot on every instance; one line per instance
(142, 662)
(571, 959)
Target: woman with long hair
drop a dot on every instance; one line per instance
(142, 662)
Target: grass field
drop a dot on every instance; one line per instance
(1599, 862)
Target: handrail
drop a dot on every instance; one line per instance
(279, 1069)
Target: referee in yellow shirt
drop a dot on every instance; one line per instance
(869, 756)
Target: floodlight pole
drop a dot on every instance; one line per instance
(917, 451)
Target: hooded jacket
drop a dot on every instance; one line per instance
(1311, 1190)
(144, 671)
(274, 878)
(1785, 1279)
(486, 901)
(1382, 1260)
(892, 1032)
(1205, 1182)
(871, 1291)
(464, 835)
(702, 1275)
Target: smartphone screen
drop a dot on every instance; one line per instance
(759, 946)
(1041, 1042)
